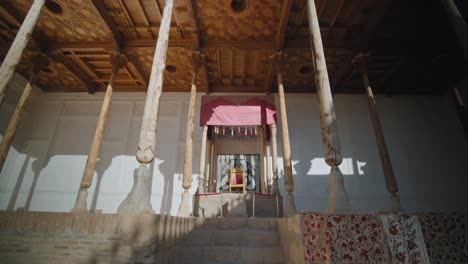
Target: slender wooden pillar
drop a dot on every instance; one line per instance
(118, 61)
(201, 178)
(274, 162)
(13, 57)
(287, 164)
(266, 156)
(458, 23)
(461, 29)
(360, 62)
(211, 187)
(198, 60)
(138, 200)
(40, 62)
(337, 198)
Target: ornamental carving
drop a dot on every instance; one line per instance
(79, 21)
(258, 21)
(180, 76)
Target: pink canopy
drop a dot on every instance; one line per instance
(237, 110)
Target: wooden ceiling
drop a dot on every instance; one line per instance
(412, 48)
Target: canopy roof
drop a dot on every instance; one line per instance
(237, 111)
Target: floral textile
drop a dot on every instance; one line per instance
(344, 239)
(405, 239)
(446, 237)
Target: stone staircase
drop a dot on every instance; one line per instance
(232, 240)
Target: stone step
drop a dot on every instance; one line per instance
(228, 254)
(267, 224)
(233, 238)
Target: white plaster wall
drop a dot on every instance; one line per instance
(51, 157)
(46, 162)
(425, 142)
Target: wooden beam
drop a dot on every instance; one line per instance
(139, 72)
(238, 89)
(75, 70)
(176, 43)
(194, 22)
(158, 7)
(101, 7)
(231, 76)
(345, 72)
(86, 67)
(372, 23)
(336, 12)
(218, 60)
(196, 37)
(145, 18)
(126, 12)
(142, 12)
(244, 64)
(279, 40)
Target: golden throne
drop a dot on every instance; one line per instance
(237, 180)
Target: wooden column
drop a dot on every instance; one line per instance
(13, 57)
(198, 60)
(118, 61)
(40, 62)
(360, 62)
(287, 165)
(337, 198)
(266, 156)
(138, 200)
(461, 29)
(211, 181)
(459, 25)
(201, 178)
(274, 162)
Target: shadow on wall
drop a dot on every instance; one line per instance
(55, 167)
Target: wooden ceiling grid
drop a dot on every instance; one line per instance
(237, 43)
(80, 21)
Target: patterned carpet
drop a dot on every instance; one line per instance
(446, 237)
(429, 238)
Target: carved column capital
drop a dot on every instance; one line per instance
(277, 60)
(118, 61)
(40, 62)
(198, 60)
(360, 62)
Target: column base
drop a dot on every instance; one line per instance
(274, 188)
(80, 204)
(338, 201)
(290, 205)
(395, 203)
(200, 189)
(138, 199)
(184, 209)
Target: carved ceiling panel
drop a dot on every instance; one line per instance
(259, 20)
(178, 73)
(339, 19)
(56, 77)
(237, 38)
(244, 69)
(8, 26)
(298, 71)
(78, 21)
(140, 19)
